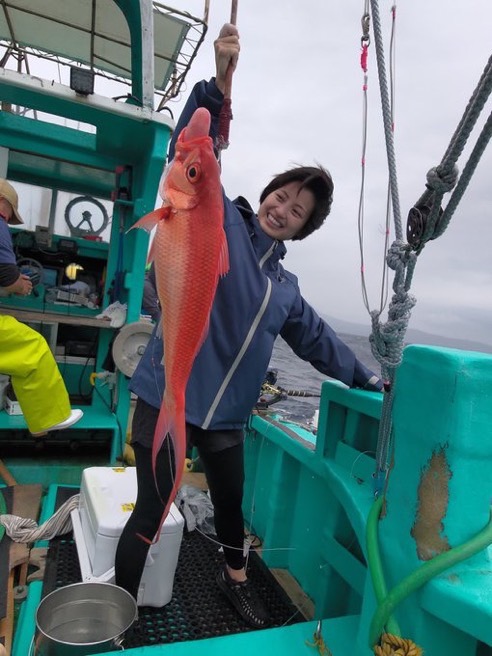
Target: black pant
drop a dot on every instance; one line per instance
(224, 470)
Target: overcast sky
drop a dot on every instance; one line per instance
(297, 98)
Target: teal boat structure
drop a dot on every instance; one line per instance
(106, 152)
(385, 570)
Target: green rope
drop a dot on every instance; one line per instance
(423, 574)
(374, 561)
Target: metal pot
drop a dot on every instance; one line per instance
(83, 619)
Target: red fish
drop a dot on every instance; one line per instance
(190, 254)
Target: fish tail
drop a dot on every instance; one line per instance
(171, 423)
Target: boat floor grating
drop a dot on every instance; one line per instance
(197, 609)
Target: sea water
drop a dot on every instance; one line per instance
(296, 374)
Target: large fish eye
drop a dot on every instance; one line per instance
(193, 172)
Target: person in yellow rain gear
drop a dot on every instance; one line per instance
(24, 354)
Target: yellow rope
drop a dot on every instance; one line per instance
(319, 643)
(321, 646)
(392, 645)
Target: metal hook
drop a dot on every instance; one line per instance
(365, 23)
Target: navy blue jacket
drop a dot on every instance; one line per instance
(9, 271)
(255, 302)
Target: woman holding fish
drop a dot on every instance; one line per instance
(202, 387)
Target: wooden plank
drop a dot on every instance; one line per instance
(54, 317)
(7, 477)
(27, 500)
(26, 503)
(295, 593)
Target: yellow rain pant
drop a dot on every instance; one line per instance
(26, 358)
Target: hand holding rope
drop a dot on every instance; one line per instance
(225, 115)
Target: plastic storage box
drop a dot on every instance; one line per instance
(107, 497)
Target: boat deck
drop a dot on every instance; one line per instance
(197, 609)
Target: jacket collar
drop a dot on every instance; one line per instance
(262, 242)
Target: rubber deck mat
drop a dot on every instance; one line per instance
(197, 608)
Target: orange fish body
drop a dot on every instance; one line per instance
(190, 253)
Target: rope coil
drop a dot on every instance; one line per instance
(26, 530)
(392, 645)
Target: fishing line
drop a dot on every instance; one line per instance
(299, 610)
(249, 520)
(365, 42)
(228, 546)
(253, 496)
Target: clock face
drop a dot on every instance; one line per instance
(86, 216)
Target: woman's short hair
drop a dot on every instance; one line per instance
(318, 181)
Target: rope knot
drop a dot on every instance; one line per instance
(394, 645)
(397, 254)
(440, 181)
(386, 340)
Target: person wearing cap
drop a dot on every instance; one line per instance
(24, 354)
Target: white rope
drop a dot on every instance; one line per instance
(21, 529)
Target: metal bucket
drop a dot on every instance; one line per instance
(83, 619)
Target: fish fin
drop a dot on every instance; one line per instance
(171, 424)
(149, 221)
(223, 256)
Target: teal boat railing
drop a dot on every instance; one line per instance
(312, 507)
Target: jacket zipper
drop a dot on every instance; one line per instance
(246, 343)
(240, 355)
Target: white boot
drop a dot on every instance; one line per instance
(74, 417)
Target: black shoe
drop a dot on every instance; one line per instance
(244, 599)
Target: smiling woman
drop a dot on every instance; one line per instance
(286, 211)
(296, 202)
(256, 301)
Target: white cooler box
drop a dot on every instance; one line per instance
(107, 497)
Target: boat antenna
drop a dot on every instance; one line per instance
(225, 115)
